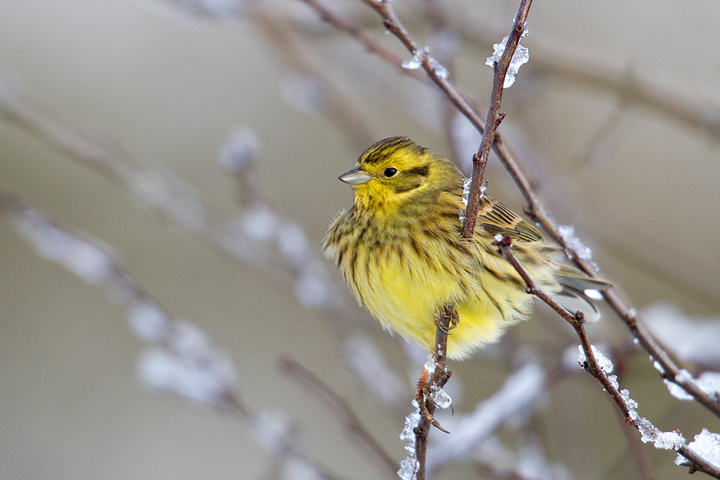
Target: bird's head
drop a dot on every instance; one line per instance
(397, 172)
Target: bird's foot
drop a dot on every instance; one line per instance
(422, 396)
(440, 321)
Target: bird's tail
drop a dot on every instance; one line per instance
(580, 292)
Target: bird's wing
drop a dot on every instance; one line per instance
(496, 218)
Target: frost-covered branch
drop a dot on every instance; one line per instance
(600, 367)
(668, 369)
(429, 394)
(501, 62)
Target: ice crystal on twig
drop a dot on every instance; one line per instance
(440, 397)
(440, 70)
(148, 321)
(520, 57)
(708, 382)
(649, 433)
(417, 60)
(568, 233)
(85, 258)
(409, 465)
(707, 445)
(603, 362)
(209, 381)
(272, 429)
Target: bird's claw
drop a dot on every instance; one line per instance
(454, 322)
(422, 396)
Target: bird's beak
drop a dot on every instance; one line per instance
(355, 177)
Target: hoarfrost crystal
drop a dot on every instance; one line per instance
(708, 382)
(293, 243)
(161, 370)
(677, 391)
(430, 364)
(408, 468)
(465, 197)
(260, 223)
(662, 440)
(603, 362)
(568, 233)
(409, 465)
(440, 398)
(707, 445)
(312, 292)
(82, 257)
(416, 61)
(440, 70)
(520, 57)
(631, 404)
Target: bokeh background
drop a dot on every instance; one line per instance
(616, 117)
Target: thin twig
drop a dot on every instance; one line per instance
(641, 461)
(493, 119)
(342, 410)
(393, 25)
(670, 369)
(436, 380)
(591, 364)
(365, 38)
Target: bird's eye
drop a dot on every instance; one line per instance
(390, 171)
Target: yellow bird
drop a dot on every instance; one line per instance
(400, 250)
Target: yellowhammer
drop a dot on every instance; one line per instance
(399, 248)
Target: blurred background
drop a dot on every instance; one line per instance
(199, 141)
